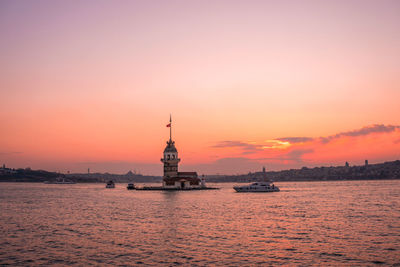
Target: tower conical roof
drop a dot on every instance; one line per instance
(170, 147)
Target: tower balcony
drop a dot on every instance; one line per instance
(170, 161)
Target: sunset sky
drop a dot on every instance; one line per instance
(280, 84)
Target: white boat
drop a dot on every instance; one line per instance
(257, 187)
(110, 184)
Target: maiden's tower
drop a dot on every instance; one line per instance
(172, 179)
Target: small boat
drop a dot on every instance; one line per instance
(110, 184)
(257, 187)
(130, 186)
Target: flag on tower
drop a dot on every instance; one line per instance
(169, 125)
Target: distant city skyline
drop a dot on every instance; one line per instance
(280, 84)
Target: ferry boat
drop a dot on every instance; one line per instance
(257, 187)
(110, 184)
(131, 186)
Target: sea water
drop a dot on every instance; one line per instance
(306, 223)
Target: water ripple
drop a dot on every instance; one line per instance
(308, 223)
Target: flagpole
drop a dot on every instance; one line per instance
(170, 128)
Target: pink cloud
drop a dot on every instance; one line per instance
(372, 142)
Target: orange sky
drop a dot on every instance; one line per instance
(91, 85)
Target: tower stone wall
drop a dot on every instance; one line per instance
(170, 160)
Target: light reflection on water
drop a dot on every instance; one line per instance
(320, 223)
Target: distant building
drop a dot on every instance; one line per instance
(347, 164)
(5, 170)
(263, 169)
(366, 162)
(172, 178)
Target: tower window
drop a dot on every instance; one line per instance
(173, 156)
(168, 157)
